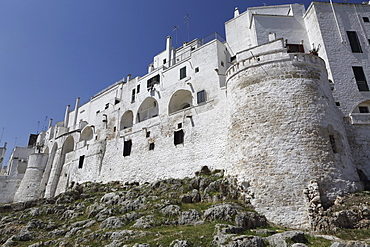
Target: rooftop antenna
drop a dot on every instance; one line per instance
(1, 137)
(38, 125)
(44, 125)
(175, 29)
(187, 21)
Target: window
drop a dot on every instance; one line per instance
(337, 103)
(106, 105)
(154, 80)
(366, 19)
(127, 147)
(363, 109)
(179, 125)
(354, 42)
(116, 101)
(151, 146)
(332, 142)
(182, 73)
(138, 88)
(222, 63)
(295, 48)
(81, 161)
(133, 96)
(201, 96)
(147, 134)
(360, 79)
(179, 137)
(164, 61)
(196, 69)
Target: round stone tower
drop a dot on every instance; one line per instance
(287, 140)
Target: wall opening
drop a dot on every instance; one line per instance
(127, 120)
(201, 96)
(148, 109)
(354, 42)
(360, 78)
(182, 73)
(151, 146)
(333, 144)
(81, 161)
(178, 137)
(127, 147)
(181, 99)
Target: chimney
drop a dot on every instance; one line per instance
(236, 12)
(76, 110)
(66, 116)
(169, 50)
(128, 77)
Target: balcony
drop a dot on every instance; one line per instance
(360, 118)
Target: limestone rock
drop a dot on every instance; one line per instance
(171, 210)
(112, 222)
(282, 239)
(249, 220)
(223, 212)
(191, 217)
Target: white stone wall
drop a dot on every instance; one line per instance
(282, 114)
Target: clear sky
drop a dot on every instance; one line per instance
(53, 51)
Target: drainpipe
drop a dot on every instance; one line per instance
(66, 116)
(76, 110)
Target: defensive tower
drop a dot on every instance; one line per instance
(286, 135)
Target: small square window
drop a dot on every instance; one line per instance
(201, 96)
(138, 88)
(337, 103)
(182, 73)
(147, 134)
(196, 69)
(164, 61)
(151, 146)
(366, 19)
(116, 101)
(179, 125)
(179, 137)
(222, 63)
(114, 129)
(106, 105)
(363, 109)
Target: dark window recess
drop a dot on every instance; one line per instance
(151, 146)
(366, 19)
(138, 89)
(116, 101)
(363, 109)
(354, 42)
(147, 134)
(337, 103)
(360, 79)
(295, 48)
(222, 63)
(164, 61)
(127, 147)
(182, 73)
(368, 40)
(332, 142)
(154, 80)
(81, 161)
(201, 96)
(179, 125)
(233, 59)
(178, 137)
(196, 69)
(133, 96)
(114, 129)
(106, 105)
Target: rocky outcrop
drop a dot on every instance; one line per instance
(155, 214)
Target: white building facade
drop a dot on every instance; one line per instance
(288, 124)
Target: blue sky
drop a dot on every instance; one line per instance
(54, 51)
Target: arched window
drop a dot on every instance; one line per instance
(148, 109)
(87, 133)
(127, 120)
(180, 100)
